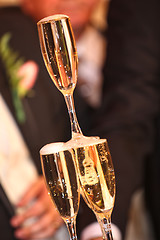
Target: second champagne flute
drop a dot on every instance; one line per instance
(97, 180)
(62, 182)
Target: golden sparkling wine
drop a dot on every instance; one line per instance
(96, 175)
(59, 52)
(61, 179)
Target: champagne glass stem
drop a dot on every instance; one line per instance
(105, 224)
(71, 225)
(75, 128)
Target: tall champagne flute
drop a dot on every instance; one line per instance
(97, 180)
(62, 182)
(60, 56)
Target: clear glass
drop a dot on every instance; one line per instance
(97, 180)
(62, 183)
(60, 57)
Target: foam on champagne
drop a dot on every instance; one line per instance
(61, 146)
(83, 141)
(52, 148)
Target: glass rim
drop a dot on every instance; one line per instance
(53, 18)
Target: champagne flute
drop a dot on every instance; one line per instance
(60, 56)
(97, 180)
(62, 183)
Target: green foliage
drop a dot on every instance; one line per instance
(12, 63)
